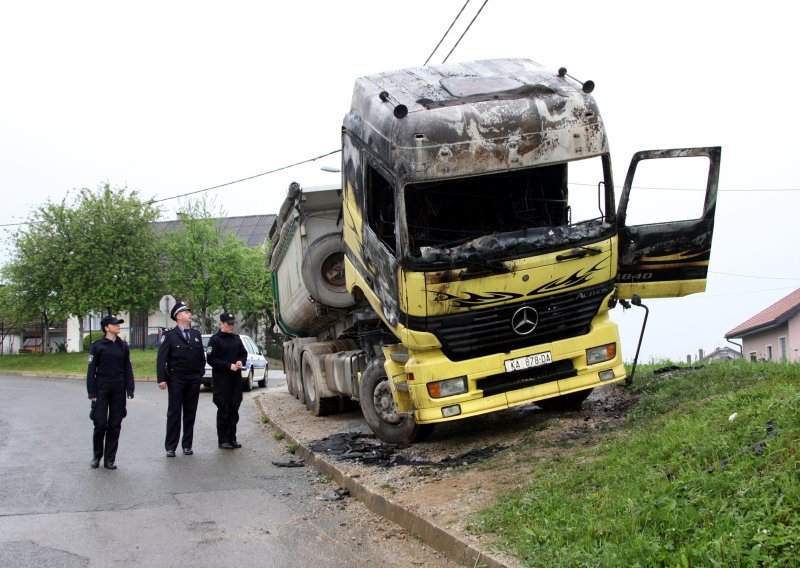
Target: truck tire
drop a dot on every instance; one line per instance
(287, 366)
(571, 401)
(317, 405)
(323, 272)
(247, 385)
(379, 411)
(297, 372)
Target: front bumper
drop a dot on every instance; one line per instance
(491, 388)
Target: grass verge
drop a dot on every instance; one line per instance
(144, 363)
(704, 473)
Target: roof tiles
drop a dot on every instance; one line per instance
(775, 314)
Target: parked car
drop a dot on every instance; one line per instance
(255, 368)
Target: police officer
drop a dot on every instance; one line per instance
(109, 376)
(226, 354)
(179, 367)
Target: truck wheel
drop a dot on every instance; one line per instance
(287, 366)
(317, 405)
(247, 385)
(377, 405)
(571, 401)
(297, 373)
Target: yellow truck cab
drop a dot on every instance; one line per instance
(483, 249)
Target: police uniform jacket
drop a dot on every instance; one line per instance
(223, 350)
(178, 357)
(109, 366)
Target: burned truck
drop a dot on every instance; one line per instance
(468, 261)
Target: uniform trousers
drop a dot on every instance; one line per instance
(109, 410)
(228, 397)
(184, 393)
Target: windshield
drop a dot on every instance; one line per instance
(513, 212)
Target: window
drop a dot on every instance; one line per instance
(523, 203)
(782, 343)
(380, 207)
(753, 356)
(91, 321)
(769, 352)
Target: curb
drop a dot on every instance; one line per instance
(64, 377)
(432, 535)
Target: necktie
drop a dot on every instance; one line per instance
(186, 334)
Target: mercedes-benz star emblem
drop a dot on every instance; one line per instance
(524, 320)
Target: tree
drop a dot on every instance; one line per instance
(96, 251)
(212, 270)
(117, 256)
(13, 313)
(191, 273)
(38, 265)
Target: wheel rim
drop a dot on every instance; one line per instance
(384, 403)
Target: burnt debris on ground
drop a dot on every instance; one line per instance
(367, 449)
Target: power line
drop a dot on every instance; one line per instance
(466, 30)
(245, 179)
(447, 32)
(216, 186)
(752, 276)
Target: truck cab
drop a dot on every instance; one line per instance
(480, 226)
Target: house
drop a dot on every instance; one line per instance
(719, 354)
(772, 334)
(145, 329)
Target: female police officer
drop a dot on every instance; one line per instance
(109, 376)
(226, 353)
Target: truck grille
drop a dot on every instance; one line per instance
(484, 332)
(505, 382)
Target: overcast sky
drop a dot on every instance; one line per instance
(171, 97)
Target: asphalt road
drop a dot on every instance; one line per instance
(215, 508)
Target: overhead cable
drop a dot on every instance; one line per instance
(447, 32)
(466, 30)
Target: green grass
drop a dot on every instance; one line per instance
(680, 485)
(144, 363)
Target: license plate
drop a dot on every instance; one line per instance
(529, 361)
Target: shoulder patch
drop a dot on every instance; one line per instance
(91, 357)
(163, 338)
(208, 350)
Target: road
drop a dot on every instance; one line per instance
(215, 508)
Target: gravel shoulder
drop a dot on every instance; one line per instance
(464, 466)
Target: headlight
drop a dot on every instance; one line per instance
(601, 353)
(448, 387)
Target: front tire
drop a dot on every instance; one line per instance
(377, 405)
(247, 386)
(262, 384)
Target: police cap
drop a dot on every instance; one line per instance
(110, 320)
(227, 317)
(177, 308)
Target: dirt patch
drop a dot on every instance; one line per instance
(463, 466)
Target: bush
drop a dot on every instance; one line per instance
(88, 339)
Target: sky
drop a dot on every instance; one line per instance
(168, 98)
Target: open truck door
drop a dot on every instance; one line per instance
(667, 259)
